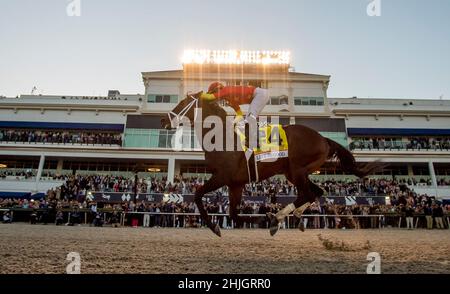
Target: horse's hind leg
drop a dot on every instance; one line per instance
(299, 178)
(310, 196)
(213, 184)
(315, 189)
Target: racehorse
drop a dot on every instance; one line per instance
(308, 151)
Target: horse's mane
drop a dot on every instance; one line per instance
(214, 108)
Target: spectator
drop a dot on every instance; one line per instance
(428, 211)
(7, 219)
(438, 214)
(146, 217)
(98, 220)
(409, 214)
(59, 218)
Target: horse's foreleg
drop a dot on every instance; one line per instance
(213, 184)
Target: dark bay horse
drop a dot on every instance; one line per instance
(308, 151)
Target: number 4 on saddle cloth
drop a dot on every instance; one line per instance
(272, 144)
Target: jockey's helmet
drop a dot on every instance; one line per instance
(214, 87)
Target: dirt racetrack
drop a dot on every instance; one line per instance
(28, 248)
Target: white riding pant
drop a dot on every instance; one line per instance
(260, 99)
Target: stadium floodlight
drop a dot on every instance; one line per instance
(205, 56)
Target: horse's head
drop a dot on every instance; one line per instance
(186, 109)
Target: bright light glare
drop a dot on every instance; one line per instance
(236, 57)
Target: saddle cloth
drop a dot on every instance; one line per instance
(272, 144)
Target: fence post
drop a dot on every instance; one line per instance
(85, 217)
(174, 223)
(68, 218)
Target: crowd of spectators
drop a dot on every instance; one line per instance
(27, 174)
(427, 211)
(366, 187)
(58, 137)
(79, 185)
(72, 196)
(416, 143)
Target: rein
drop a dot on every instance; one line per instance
(175, 118)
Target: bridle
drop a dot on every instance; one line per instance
(175, 118)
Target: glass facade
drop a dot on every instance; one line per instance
(156, 138)
(338, 137)
(162, 98)
(310, 101)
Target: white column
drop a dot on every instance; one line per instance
(410, 170)
(177, 171)
(432, 174)
(181, 91)
(59, 166)
(171, 170)
(147, 91)
(39, 172)
(291, 97)
(325, 96)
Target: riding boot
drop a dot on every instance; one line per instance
(248, 150)
(251, 131)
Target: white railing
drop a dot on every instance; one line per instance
(215, 216)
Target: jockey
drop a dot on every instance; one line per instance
(236, 96)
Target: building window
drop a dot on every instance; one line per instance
(255, 83)
(152, 98)
(162, 98)
(274, 101)
(284, 100)
(311, 101)
(279, 100)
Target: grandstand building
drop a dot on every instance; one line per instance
(46, 135)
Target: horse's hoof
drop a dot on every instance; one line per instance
(301, 226)
(274, 225)
(216, 230)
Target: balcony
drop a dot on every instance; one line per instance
(398, 146)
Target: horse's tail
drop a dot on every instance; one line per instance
(348, 163)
